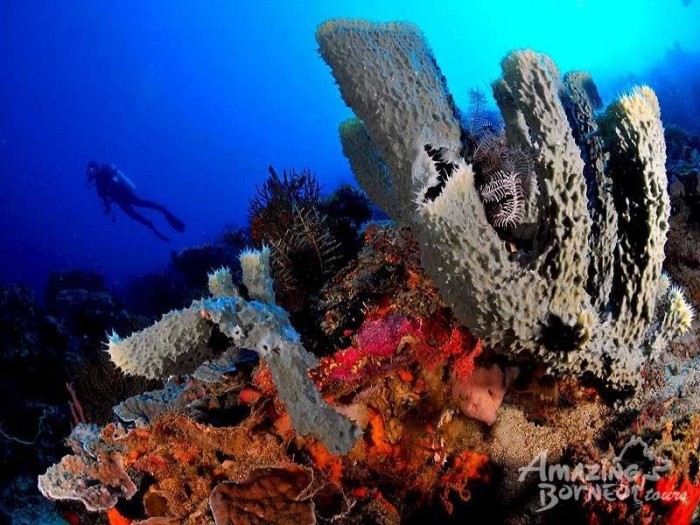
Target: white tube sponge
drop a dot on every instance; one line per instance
(394, 85)
(174, 345)
(221, 283)
(369, 168)
(256, 274)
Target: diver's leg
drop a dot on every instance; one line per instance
(174, 222)
(143, 220)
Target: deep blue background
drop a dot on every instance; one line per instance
(193, 100)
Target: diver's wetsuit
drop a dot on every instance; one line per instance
(112, 186)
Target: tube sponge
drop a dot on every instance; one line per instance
(394, 85)
(256, 274)
(176, 344)
(221, 283)
(581, 297)
(368, 166)
(266, 330)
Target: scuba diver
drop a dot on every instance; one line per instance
(113, 186)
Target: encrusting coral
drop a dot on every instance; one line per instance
(547, 302)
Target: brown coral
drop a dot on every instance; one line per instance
(98, 482)
(270, 495)
(187, 459)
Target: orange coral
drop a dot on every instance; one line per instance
(115, 518)
(466, 467)
(188, 459)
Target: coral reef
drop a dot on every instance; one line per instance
(409, 376)
(180, 341)
(460, 365)
(267, 495)
(537, 304)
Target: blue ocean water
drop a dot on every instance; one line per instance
(193, 101)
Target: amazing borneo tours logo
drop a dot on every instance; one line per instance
(630, 474)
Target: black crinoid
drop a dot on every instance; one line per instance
(506, 179)
(311, 238)
(277, 200)
(303, 258)
(478, 121)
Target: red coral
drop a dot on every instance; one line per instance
(115, 518)
(383, 338)
(678, 512)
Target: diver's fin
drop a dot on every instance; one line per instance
(160, 235)
(175, 223)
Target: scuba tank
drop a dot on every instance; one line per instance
(118, 177)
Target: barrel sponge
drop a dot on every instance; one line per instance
(176, 344)
(221, 283)
(388, 75)
(255, 265)
(367, 165)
